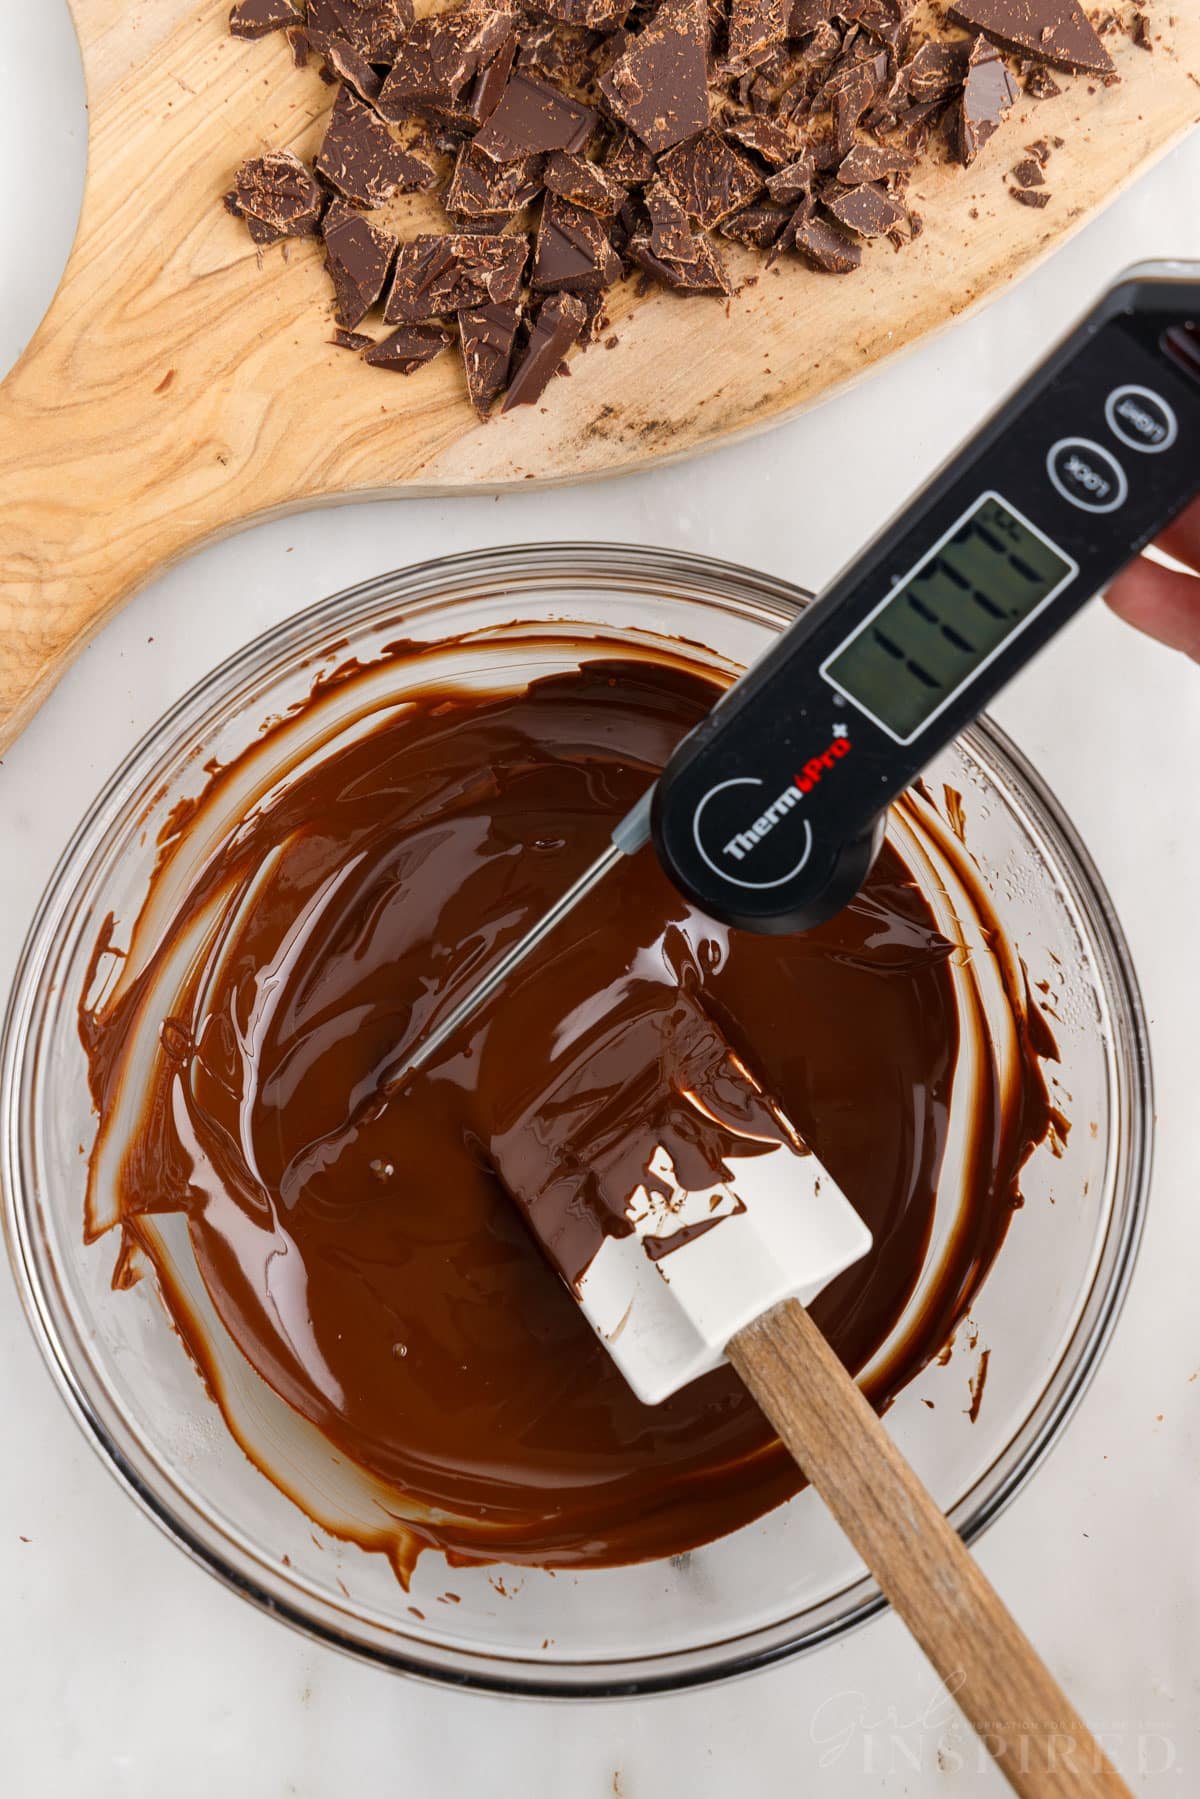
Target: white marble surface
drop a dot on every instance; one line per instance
(124, 1671)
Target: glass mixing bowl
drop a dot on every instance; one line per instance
(784, 1584)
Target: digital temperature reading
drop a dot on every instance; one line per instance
(950, 615)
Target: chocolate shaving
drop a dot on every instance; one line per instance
(362, 159)
(409, 348)
(557, 328)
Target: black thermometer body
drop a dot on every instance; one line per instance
(770, 812)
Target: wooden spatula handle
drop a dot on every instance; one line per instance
(996, 1676)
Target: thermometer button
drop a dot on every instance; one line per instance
(1087, 475)
(1141, 419)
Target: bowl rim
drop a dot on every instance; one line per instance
(531, 565)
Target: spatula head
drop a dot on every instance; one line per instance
(669, 1190)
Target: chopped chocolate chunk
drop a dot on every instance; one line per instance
(354, 69)
(531, 118)
(561, 53)
(350, 340)
(1030, 196)
(1054, 31)
(1028, 173)
(850, 93)
(278, 196)
(988, 93)
(594, 15)
(480, 188)
(759, 226)
(409, 348)
(709, 178)
(937, 71)
(775, 143)
(807, 15)
(584, 184)
(573, 250)
(372, 27)
(558, 327)
(826, 246)
(1041, 151)
(916, 123)
(1140, 31)
(671, 235)
(790, 184)
(492, 78)
(872, 162)
(1040, 83)
(359, 258)
(756, 27)
(437, 59)
(701, 272)
(436, 275)
(868, 211)
(486, 335)
(628, 161)
(659, 87)
(255, 18)
(362, 159)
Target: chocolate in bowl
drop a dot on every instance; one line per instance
(772, 1585)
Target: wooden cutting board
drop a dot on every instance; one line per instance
(183, 385)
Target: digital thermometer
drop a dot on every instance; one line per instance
(769, 814)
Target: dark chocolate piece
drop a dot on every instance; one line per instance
(593, 15)
(486, 335)
(256, 18)
(532, 118)
(826, 246)
(409, 348)
(709, 178)
(584, 184)
(492, 78)
(671, 234)
(700, 272)
(350, 340)
(937, 71)
(1030, 196)
(791, 183)
(352, 67)
(775, 143)
(987, 94)
(1028, 173)
(372, 27)
(573, 251)
(807, 15)
(849, 93)
(557, 328)
(756, 28)
(436, 275)
(659, 87)
(872, 162)
(436, 61)
(278, 196)
(759, 226)
(868, 211)
(359, 258)
(1054, 31)
(362, 159)
(628, 161)
(480, 188)
(1040, 83)
(562, 54)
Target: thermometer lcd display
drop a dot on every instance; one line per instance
(949, 617)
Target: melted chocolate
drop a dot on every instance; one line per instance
(363, 1252)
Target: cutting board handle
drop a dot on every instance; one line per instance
(1005, 1690)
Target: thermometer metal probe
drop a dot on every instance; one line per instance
(769, 814)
